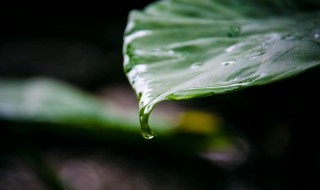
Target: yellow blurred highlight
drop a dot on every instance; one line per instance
(195, 121)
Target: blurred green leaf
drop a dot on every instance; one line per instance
(46, 100)
(42, 105)
(50, 101)
(181, 49)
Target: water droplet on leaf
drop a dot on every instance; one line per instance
(196, 65)
(316, 35)
(227, 63)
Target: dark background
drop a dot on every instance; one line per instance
(81, 44)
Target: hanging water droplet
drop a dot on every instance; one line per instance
(234, 31)
(146, 132)
(227, 63)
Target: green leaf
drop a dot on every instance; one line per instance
(43, 100)
(45, 105)
(181, 49)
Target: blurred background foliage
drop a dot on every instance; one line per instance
(69, 119)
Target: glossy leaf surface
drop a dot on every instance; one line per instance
(181, 49)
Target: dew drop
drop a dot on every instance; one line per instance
(229, 49)
(234, 31)
(253, 57)
(196, 65)
(227, 63)
(316, 35)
